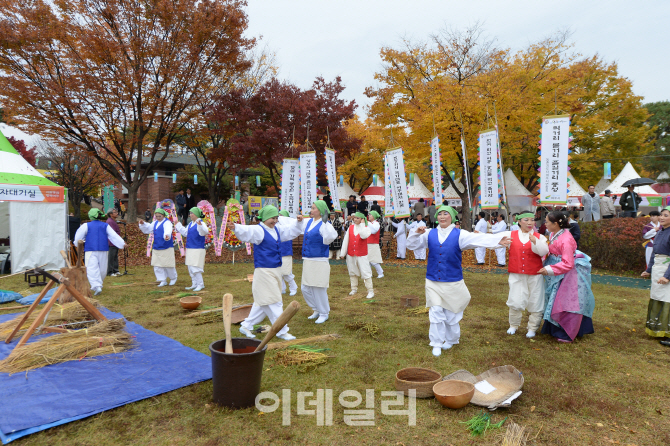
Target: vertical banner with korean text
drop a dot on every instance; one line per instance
(290, 187)
(307, 181)
(554, 148)
(388, 194)
(331, 174)
(398, 183)
(488, 169)
(437, 169)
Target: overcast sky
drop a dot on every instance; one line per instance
(343, 38)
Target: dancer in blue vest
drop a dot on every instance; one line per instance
(266, 286)
(318, 235)
(446, 293)
(162, 253)
(287, 263)
(96, 233)
(195, 234)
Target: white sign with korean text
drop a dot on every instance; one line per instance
(554, 160)
(331, 174)
(437, 169)
(388, 195)
(398, 183)
(290, 187)
(307, 181)
(488, 169)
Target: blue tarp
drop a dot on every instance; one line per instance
(61, 393)
(9, 296)
(28, 300)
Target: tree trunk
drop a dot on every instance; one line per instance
(131, 208)
(75, 200)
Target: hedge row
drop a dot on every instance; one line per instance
(614, 244)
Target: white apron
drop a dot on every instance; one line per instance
(374, 253)
(163, 258)
(195, 257)
(454, 296)
(287, 265)
(315, 273)
(660, 292)
(266, 287)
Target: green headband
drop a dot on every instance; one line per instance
(360, 215)
(321, 206)
(161, 211)
(197, 212)
(95, 214)
(450, 210)
(526, 215)
(268, 212)
(667, 208)
(284, 213)
(375, 214)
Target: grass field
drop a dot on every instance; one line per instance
(612, 387)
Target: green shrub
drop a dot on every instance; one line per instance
(614, 244)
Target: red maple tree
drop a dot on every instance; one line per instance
(24, 151)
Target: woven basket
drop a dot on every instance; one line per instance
(422, 380)
(506, 379)
(240, 313)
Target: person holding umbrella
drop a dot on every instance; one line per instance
(630, 201)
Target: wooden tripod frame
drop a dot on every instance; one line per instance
(64, 285)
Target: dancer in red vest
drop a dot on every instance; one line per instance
(355, 246)
(374, 251)
(526, 286)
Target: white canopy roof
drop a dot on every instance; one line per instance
(418, 190)
(575, 189)
(629, 173)
(663, 176)
(602, 185)
(513, 186)
(344, 192)
(450, 193)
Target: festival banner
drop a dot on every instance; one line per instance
(554, 149)
(307, 181)
(488, 169)
(290, 187)
(388, 195)
(398, 183)
(607, 174)
(24, 192)
(331, 174)
(437, 169)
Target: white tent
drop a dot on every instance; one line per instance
(418, 190)
(650, 198)
(33, 213)
(518, 197)
(344, 191)
(602, 185)
(663, 177)
(450, 194)
(576, 191)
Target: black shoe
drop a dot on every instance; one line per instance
(481, 264)
(501, 266)
(665, 342)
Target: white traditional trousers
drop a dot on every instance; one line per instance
(378, 268)
(444, 326)
(500, 254)
(480, 254)
(96, 267)
(260, 312)
(162, 274)
(316, 298)
(196, 276)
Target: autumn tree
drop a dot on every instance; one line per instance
(27, 154)
(119, 79)
(368, 160)
(459, 82)
(658, 160)
(77, 171)
(280, 113)
(209, 141)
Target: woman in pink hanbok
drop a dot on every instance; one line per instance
(568, 297)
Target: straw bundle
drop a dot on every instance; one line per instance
(103, 338)
(59, 314)
(306, 356)
(370, 328)
(515, 435)
(417, 310)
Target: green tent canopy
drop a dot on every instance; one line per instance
(16, 170)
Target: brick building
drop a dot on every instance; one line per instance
(152, 191)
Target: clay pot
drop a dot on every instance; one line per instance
(190, 302)
(453, 393)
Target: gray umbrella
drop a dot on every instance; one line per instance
(638, 182)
